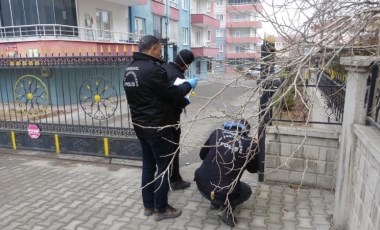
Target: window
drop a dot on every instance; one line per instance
(208, 35)
(140, 26)
(185, 36)
(157, 26)
(240, 48)
(208, 7)
(65, 12)
(209, 66)
(185, 4)
(219, 33)
(103, 23)
(198, 67)
(5, 13)
(173, 31)
(220, 17)
(221, 48)
(198, 38)
(219, 2)
(173, 3)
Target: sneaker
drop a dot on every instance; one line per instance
(148, 211)
(228, 218)
(180, 184)
(170, 212)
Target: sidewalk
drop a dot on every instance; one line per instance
(50, 193)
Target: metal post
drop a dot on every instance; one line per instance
(166, 38)
(265, 115)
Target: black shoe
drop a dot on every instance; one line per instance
(214, 207)
(148, 211)
(179, 184)
(170, 212)
(228, 218)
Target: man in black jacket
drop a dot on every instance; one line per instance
(176, 70)
(226, 154)
(151, 96)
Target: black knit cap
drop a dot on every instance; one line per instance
(184, 57)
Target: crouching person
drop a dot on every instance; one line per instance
(227, 153)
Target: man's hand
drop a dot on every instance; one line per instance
(193, 82)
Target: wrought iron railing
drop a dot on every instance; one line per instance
(334, 92)
(66, 95)
(64, 32)
(373, 97)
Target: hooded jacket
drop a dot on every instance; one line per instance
(151, 95)
(174, 72)
(224, 155)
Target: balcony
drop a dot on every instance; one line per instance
(64, 32)
(158, 8)
(243, 24)
(204, 21)
(128, 2)
(243, 39)
(246, 7)
(206, 50)
(237, 55)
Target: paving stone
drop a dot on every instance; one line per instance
(289, 225)
(258, 221)
(304, 222)
(48, 197)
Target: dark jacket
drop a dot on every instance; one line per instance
(223, 155)
(150, 94)
(175, 72)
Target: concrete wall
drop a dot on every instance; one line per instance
(365, 183)
(301, 155)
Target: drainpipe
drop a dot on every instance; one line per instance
(166, 39)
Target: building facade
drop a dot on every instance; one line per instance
(203, 26)
(238, 37)
(52, 27)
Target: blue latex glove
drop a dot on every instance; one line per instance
(193, 82)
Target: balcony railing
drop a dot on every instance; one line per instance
(64, 32)
(204, 44)
(243, 2)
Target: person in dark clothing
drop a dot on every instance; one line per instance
(176, 70)
(151, 96)
(227, 153)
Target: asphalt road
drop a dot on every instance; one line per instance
(220, 98)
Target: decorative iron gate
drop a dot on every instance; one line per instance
(66, 105)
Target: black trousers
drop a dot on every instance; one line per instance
(175, 176)
(244, 195)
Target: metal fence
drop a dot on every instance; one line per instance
(294, 107)
(78, 105)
